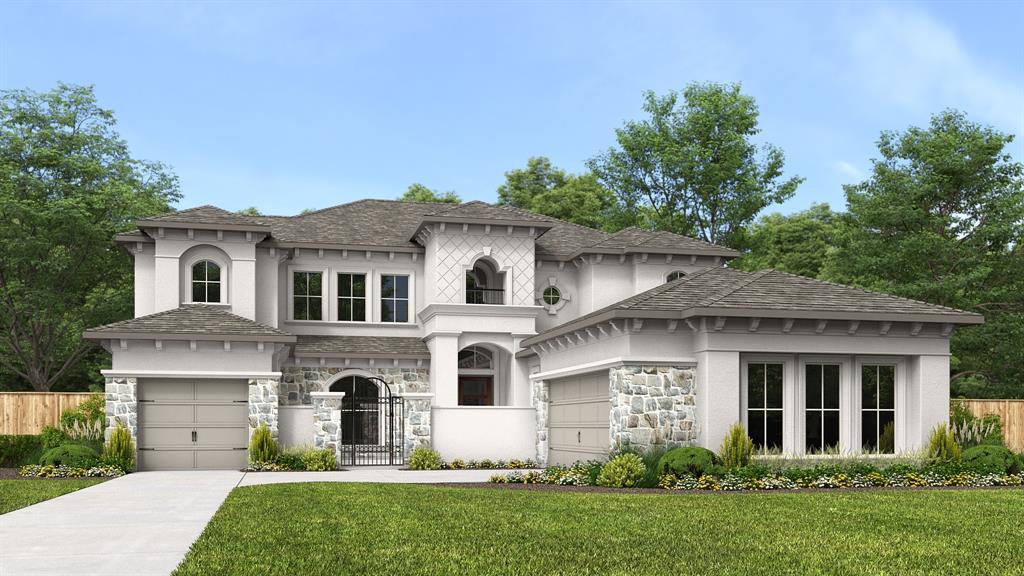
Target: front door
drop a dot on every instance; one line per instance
(476, 390)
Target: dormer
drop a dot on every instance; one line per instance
(203, 255)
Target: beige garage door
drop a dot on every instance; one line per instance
(579, 414)
(193, 424)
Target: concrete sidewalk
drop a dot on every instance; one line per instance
(139, 524)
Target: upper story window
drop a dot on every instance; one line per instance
(206, 282)
(878, 408)
(307, 296)
(394, 298)
(676, 275)
(484, 284)
(352, 297)
(552, 296)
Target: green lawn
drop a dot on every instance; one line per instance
(398, 530)
(16, 494)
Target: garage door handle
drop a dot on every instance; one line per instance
(194, 435)
(579, 437)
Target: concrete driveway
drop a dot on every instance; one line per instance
(139, 524)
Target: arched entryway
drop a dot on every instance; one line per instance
(371, 422)
(477, 376)
(361, 422)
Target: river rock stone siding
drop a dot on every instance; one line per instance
(263, 403)
(417, 422)
(122, 405)
(540, 401)
(327, 422)
(299, 381)
(653, 406)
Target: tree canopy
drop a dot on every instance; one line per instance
(692, 168)
(795, 243)
(68, 183)
(546, 189)
(420, 193)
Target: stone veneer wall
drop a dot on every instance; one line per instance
(327, 422)
(122, 405)
(540, 401)
(653, 406)
(263, 403)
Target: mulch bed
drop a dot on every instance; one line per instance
(559, 488)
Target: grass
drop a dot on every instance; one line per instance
(16, 494)
(325, 528)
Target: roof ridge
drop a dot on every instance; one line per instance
(735, 287)
(866, 291)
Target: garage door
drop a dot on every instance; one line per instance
(578, 418)
(193, 424)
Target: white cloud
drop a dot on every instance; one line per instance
(904, 56)
(848, 171)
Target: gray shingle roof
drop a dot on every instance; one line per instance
(191, 320)
(729, 292)
(362, 346)
(203, 215)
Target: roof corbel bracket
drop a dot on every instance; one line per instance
(220, 235)
(323, 361)
(487, 228)
(947, 329)
(248, 236)
(465, 228)
(369, 255)
(347, 361)
(441, 227)
(718, 260)
(344, 254)
(372, 362)
(191, 234)
(854, 325)
(638, 323)
(615, 326)
(320, 253)
(192, 345)
(138, 248)
(601, 331)
(590, 335)
(668, 258)
(158, 344)
(643, 258)
(820, 327)
(419, 362)
(227, 345)
(693, 259)
(415, 256)
(672, 325)
(598, 258)
(719, 323)
(561, 266)
(259, 346)
(622, 258)
(124, 344)
(394, 363)
(884, 328)
(391, 256)
(579, 337)
(577, 262)
(538, 264)
(509, 230)
(754, 324)
(533, 230)
(693, 327)
(915, 328)
(787, 325)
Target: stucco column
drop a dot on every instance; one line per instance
(243, 287)
(166, 295)
(121, 405)
(928, 398)
(444, 368)
(718, 387)
(327, 421)
(263, 404)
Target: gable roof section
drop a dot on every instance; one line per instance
(633, 239)
(361, 347)
(191, 322)
(364, 223)
(724, 291)
(204, 217)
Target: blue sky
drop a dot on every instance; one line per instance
(292, 106)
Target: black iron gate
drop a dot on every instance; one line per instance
(372, 428)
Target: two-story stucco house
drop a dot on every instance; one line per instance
(489, 332)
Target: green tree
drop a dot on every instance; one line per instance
(545, 189)
(420, 193)
(67, 184)
(691, 167)
(250, 211)
(795, 243)
(941, 219)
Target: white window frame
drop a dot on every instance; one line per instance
(377, 301)
(788, 400)
(325, 284)
(492, 372)
(671, 272)
(844, 399)
(335, 291)
(224, 280)
(899, 400)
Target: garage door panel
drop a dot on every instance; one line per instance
(157, 390)
(578, 417)
(230, 437)
(166, 413)
(165, 436)
(221, 390)
(166, 459)
(221, 459)
(221, 414)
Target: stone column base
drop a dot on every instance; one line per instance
(327, 422)
(417, 431)
(263, 404)
(122, 405)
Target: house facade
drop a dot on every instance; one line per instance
(482, 331)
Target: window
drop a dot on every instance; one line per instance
(476, 377)
(821, 402)
(307, 295)
(394, 298)
(764, 405)
(675, 275)
(552, 296)
(475, 358)
(352, 297)
(878, 408)
(205, 282)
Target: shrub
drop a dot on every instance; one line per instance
(70, 455)
(457, 464)
(997, 459)
(942, 446)
(687, 460)
(119, 451)
(92, 410)
(52, 437)
(88, 431)
(622, 471)
(262, 446)
(423, 458)
(16, 450)
(291, 458)
(320, 460)
(736, 447)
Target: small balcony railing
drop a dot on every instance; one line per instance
(485, 296)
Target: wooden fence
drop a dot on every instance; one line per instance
(29, 412)
(1011, 412)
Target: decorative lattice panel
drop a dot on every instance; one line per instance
(457, 251)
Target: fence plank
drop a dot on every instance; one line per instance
(30, 412)
(1011, 412)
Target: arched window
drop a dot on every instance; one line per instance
(362, 421)
(206, 282)
(676, 275)
(476, 376)
(484, 284)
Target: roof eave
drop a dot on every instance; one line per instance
(203, 226)
(128, 335)
(331, 246)
(314, 354)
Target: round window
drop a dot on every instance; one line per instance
(675, 276)
(552, 296)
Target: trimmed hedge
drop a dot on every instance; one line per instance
(70, 455)
(995, 459)
(687, 460)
